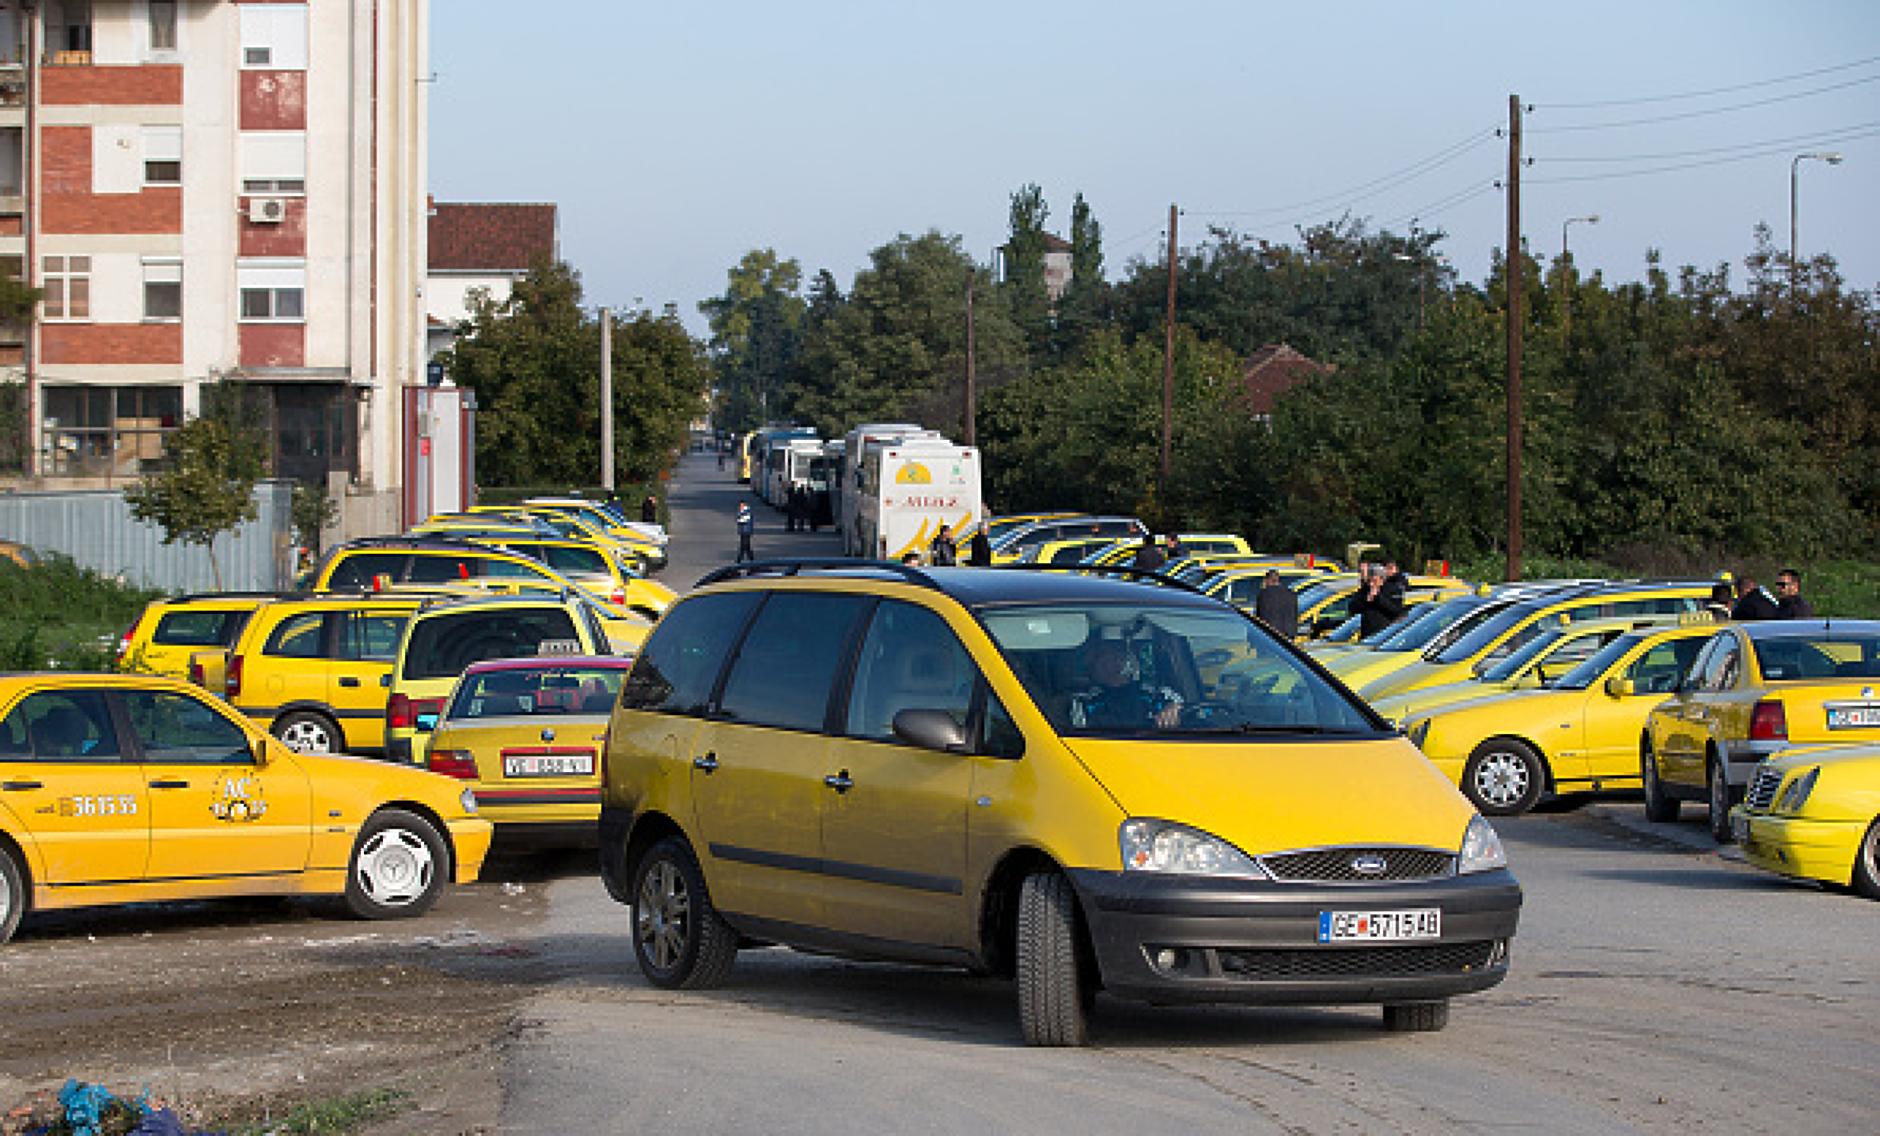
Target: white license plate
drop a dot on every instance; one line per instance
(1379, 926)
(1853, 717)
(548, 764)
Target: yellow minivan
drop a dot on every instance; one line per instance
(1078, 782)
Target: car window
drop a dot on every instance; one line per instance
(502, 568)
(784, 670)
(359, 570)
(910, 660)
(576, 560)
(1659, 670)
(371, 635)
(173, 728)
(679, 663)
(197, 629)
(1723, 665)
(536, 691)
(66, 726)
(1819, 656)
(298, 636)
(445, 645)
(446, 569)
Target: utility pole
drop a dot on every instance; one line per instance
(972, 275)
(1513, 278)
(607, 400)
(1168, 367)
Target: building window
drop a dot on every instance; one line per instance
(162, 25)
(163, 288)
(274, 36)
(273, 161)
(272, 293)
(163, 155)
(108, 431)
(66, 281)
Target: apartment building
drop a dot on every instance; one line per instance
(217, 189)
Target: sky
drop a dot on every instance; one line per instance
(676, 137)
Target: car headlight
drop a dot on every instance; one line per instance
(470, 801)
(1163, 846)
(1481, 849)
(1795, 793)
(1418, 731)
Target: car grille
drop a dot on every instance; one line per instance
(1762, 790)
(1334, 865)
(1373, 962)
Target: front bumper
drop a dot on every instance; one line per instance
(1792, 846)
(1193, 939)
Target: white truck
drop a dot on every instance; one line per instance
(900, 491)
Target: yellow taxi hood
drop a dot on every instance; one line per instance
(1365, 664)
(1271, 796)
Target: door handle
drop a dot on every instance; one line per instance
(707, 764)
(840, 782)
(347, 680)
(20, 786)
(169, 784)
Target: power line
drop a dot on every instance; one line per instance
(1767, 152)
(1817, 138)
(1443, 204)
(1684, 115)
(1370, 188)
(1712, 91)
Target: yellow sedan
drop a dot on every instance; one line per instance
(1581, 732)
(1815, 814)
(1756, 689)
(527, 734)
(1540, 661)
(132, 789)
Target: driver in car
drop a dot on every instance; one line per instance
(1119, 697)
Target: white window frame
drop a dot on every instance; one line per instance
(154, 24)
(273, 162)
(273, 37)
(163, 272)
(57, 272)
(163, 144)
(276, 280)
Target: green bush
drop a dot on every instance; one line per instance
(58, 616)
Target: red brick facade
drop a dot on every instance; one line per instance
(111, 343)
(145, 85)
(282, 238)
(274, 100)
(67, 204)
(273, 345)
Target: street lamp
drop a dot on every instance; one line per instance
(1566, 294)
(1795, 165)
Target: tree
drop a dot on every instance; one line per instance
(1025, 249)
(17, 304)
(757, 327)
(207, 485)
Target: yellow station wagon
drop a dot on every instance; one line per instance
(1082, 783)
(129, 789)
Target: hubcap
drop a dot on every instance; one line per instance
(395, 867)
(663, 915)
(1501, 779)
(307, 737)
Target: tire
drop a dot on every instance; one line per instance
(12, 895)
(1865, 879)
(1054, 995)
(1717, 790)
(1504, 777)
(398, 869)
(304, 731)
(681, 941)
(1416, 1017)
(1659, 805)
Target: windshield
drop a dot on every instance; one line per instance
(1517, 661)
(1104, 669)
(1315, 594)
(1597, 663)
(515, 691)
(1450, 619)
(1480, 634)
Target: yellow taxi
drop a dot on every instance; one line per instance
(1069, 551)
(311, 669)
(589, 565)
(440, 643)
(168, 634)
(567, 526)
(1510, 627)
(1042, 775)
(1758, 688)
(1323, 599)
(649, 540)
(527, 734)
(20, 555)
(1535, 664)
(1013, 543)
(1421, 628)
(1241, 586)
(1815, 814)
(1579, 732)
(132, 789)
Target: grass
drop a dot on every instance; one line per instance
(331, 1117)
(58, 616)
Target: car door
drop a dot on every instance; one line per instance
(292, 669)
(894, 831)
(72, 788)
(363, 646)
(760, 763)
(215, 813)
(1690, 713)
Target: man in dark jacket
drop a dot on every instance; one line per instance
(1753, 601)
(1278, 605)
(1149, 556)
(1376, 606)
(979, 549)
(1789, 601)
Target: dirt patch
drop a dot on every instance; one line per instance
(245, 1009)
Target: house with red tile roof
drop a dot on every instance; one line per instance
(487, 245)
(1270, 372)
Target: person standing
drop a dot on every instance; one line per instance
(1395, 580)
(1753, 601)
(1149, 557)
(747, 525)
(1277, 605)
(1721, 600)
(979, 549)
(942, 552)
(1790, 603)
(1376, 606)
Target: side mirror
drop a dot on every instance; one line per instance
(930, 729)
(1528, 680)
(1620, 687)
(258, 749)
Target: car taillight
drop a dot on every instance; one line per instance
(124, 642)
(1768, 721)
(458, 763)
(232, 681)
(195, 672)
(398, 712)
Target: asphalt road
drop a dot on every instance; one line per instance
(1657, 986)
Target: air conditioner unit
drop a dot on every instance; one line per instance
(267, 210)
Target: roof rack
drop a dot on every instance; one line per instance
(846, 564)
(194, 597)
(1149, 575)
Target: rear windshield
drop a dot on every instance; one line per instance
(536, 691)
(443, 646)
(1161, 670)
(1818, 656)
